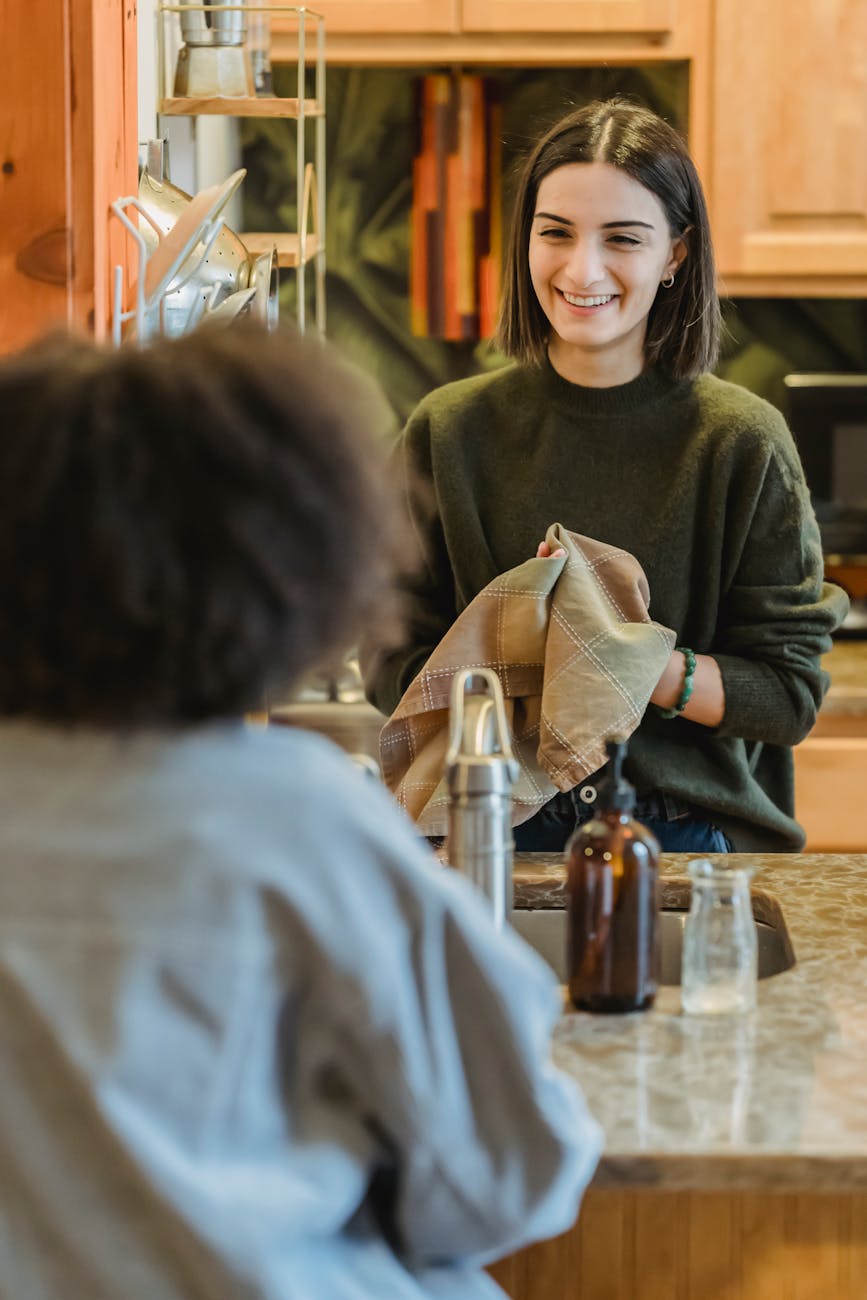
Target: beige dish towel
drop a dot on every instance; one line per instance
(577, 656)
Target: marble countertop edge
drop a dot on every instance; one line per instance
(745, 1171)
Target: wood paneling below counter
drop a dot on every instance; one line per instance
(651, 1245)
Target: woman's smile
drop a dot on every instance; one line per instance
(587, 303)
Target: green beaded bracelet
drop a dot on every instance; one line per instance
(686, 689)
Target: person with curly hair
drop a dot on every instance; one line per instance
(255, 1040)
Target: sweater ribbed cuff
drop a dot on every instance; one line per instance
(759, 705)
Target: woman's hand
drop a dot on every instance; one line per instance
(707, 704)
(544, 552)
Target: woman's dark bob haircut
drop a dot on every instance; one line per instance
(184, 527)
(683, 329)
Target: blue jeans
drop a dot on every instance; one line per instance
(690, 835)
(678, 828)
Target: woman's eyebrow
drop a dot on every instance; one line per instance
(610, 225)
(606, 225)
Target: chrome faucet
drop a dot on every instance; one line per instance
(480, 771)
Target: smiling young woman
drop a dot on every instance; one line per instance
(611, 423)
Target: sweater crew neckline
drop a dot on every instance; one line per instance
(646, 389)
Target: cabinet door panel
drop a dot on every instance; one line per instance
(576, 16)
(35, 233)
(830, 780)
(68, 133)
(388, 16)
(790, 137)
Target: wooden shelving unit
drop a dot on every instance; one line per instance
(295, 249)
(240, 106)
(288, 246)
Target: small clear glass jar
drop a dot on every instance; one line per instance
(720, 944)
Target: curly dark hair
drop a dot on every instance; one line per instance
(185, 527)
(684, 326)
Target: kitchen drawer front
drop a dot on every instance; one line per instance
(387, 16)
(574, 16)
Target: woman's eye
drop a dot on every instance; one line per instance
(557, 231)
(626, 240)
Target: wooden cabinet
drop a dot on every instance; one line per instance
(507, 32)
(788, 181)
(678, 1245)
(432, 16)
(600, 16)
(380, 16)
(831, 764)
(830, 785)
(68, 148)
(777, 106)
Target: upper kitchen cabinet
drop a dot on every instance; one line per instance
(342, 16)
(506, 32)
(788, 181)
(453, 16)
(601, 16)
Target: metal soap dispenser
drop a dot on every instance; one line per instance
(480, 771)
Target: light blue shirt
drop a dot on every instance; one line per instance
(254, 1041)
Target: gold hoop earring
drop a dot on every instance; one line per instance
(668, 281)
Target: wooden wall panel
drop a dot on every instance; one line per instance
(655, 1255)
(763, 1242)
(114, 141)
(604, 1237)
(700, 1246)
(855, 1264)
(68, 139)
(35, 258)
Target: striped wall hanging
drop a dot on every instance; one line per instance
(457, 209)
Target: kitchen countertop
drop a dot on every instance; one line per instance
(776, 1099)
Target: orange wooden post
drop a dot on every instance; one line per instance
(68, 147)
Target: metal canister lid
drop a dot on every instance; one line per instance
(479, 758)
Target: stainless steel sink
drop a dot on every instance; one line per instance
(545, 930)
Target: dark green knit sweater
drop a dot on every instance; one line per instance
(700, 481)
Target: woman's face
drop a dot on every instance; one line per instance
(599, 247)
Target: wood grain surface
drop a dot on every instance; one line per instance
(699, 1246)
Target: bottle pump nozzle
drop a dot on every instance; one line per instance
(615, 792)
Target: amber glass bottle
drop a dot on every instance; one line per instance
(612, 887)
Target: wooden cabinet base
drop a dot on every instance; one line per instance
(830, 783)
(700, 1246)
